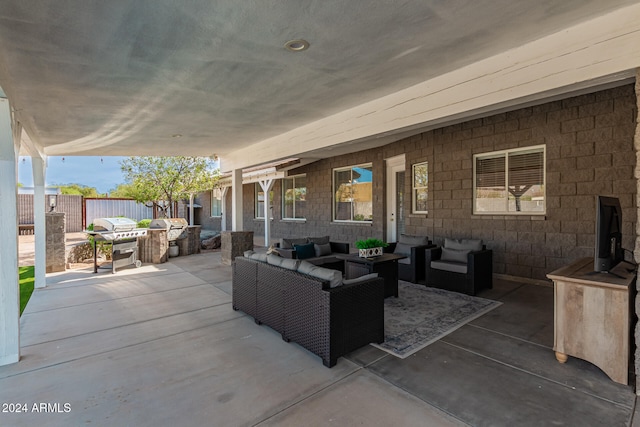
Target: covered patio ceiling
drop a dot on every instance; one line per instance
(205, 78)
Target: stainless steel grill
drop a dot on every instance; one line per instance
(176, 227)
(123, 235)
(116, 229)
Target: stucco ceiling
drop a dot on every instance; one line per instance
(95, 77)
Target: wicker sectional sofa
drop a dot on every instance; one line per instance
(328, 321)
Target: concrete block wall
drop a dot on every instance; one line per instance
(590, 151)
(319, 203)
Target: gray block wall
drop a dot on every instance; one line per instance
(590, 151)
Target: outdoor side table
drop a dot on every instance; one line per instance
(386, 265)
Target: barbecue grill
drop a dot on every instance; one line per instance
(176, 227)
(123, 235)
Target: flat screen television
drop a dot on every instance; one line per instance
(608, 251)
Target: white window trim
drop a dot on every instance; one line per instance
(414, 188)
(506, 153)
(286, 218)
(333, 192)
(213, 197)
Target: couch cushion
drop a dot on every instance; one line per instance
(454, 267)
(289, 264)
(287, 243)
(463, 244)
(334, 277)
(413, 240)
(403, 249)
(322, 249)
(319, 240)
(360, 279)
(305, 251)
(455, 255)
(305, 267)
(258, 256)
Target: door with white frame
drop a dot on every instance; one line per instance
(395, 197)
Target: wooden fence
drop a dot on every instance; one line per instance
(71, 205)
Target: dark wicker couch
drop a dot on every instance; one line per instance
(329, 322)
(329, 260)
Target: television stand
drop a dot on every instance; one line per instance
(607, 272)
(592, 316)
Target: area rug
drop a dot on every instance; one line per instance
(422, 315)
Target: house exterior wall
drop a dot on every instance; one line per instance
(589, 143)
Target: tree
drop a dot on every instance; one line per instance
(163, 180)
(78, 189)
(125, 191)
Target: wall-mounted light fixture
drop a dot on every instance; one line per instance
(53, 202)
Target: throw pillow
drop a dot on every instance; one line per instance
(287, 243)
(454, 255)
(305, 251)
(402, 249)
(262, 257)
(360, 279)
(322, 250)
(319, 240)
(463, 244)
(334, 277)
(413, 240)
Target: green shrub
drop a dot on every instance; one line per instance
(144, 223)
(370, 243)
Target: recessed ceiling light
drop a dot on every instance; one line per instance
(176, 135)
(297, 45)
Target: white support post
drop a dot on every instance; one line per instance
(38, 166)
(267, 185)
(223, 219)
(236, 200)
(9, 283)
(191, 196)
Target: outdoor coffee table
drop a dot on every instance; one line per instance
(386, 265)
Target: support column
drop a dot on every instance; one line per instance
(236, 200)
(191, 196)
(636, 251)
(223, 219)
(267, 185)
(38, 166)
(9, 283)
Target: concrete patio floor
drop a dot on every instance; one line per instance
(160, 345)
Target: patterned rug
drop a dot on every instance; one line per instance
(421, 316)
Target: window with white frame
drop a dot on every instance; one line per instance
(259, 198)
(510, 182)
(420, 187)
(294, 197)
(216, 202)
(353, 193)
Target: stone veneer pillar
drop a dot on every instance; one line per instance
(154, 247)
(235, 243)
(56, 239)
(636, 250)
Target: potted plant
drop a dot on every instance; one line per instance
(370, 247)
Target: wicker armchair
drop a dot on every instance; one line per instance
(411, 268)
(461, 266)
(329, 322)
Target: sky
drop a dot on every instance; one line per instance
(104, 175)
